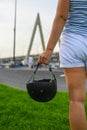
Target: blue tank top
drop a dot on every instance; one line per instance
(77, 18)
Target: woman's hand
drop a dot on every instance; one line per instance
(44, 57)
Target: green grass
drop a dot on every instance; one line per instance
(19, 112)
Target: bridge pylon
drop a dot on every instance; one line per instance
(37, 24)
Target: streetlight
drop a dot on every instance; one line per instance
(14, 42)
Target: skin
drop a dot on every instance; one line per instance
(86, 75)
(75, 80)
(58, 24)
(75, 77)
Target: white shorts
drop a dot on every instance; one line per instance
(73, 51)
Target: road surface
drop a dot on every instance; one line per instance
(18, 77)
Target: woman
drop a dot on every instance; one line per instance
(71, 20)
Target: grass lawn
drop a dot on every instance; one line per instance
(19, 112)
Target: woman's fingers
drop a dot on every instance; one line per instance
(43, 58)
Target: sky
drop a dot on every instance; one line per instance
(25, 19)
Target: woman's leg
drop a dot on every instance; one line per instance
(75, 80)
(86, 75)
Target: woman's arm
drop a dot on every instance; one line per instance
(58, 23)
(57, 27)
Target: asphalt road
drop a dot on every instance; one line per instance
(19, 77)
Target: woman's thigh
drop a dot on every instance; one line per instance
(75, 80)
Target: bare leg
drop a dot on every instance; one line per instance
(86, 75)
(75, 79)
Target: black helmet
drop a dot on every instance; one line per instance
(42, 90)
